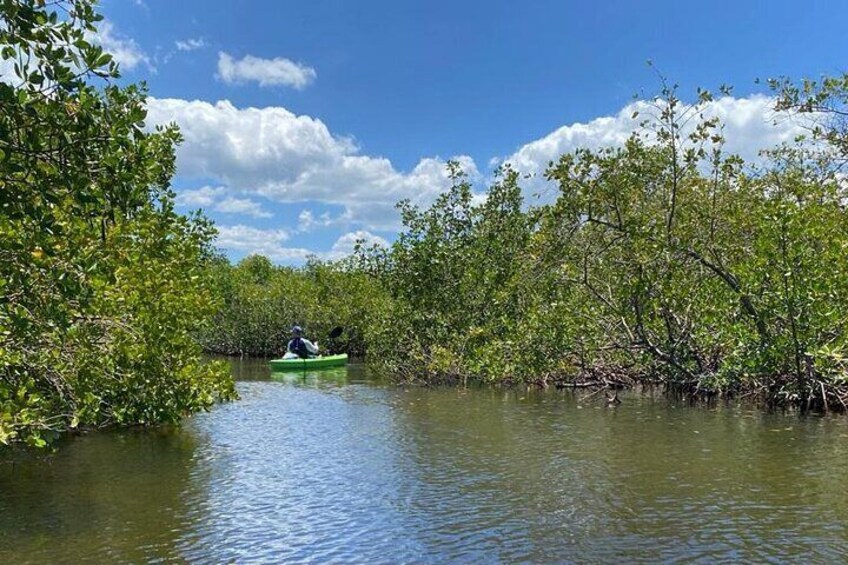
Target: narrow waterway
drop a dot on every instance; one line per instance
(333, 467)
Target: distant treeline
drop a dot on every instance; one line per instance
(666, 260)
(261, 302)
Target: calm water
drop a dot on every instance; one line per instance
(334, 468)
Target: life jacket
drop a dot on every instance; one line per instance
(297, 346)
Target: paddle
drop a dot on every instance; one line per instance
(334, 333)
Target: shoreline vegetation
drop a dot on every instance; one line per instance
(665, 261)
(102, 287)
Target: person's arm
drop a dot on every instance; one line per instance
(311, 347)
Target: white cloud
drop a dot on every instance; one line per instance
(124, 50)
(306, 221)
(480, 198)
(216, 198)
(345, 244)
(7, 72)
(266, 72)
(270, 243)
(749, 127)
(273, 153)
(242, 206)
(282, 157)
(264, 242)
(190, 44)
(203, 197)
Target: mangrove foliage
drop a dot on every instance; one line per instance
(260, 302)
(666, 260)
(102, 286)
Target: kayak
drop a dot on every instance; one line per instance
(308, 364)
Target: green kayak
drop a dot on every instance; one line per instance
(309, 364)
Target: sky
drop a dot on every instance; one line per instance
(305, 122)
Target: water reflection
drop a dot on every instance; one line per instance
(310, 476)
(328, 466)
(334, 376)
(110, 496)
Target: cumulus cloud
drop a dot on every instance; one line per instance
(190, 44)
(277, 155)
(264, 242)
(345, 244)
(283, 157)
(244, 206)
(306, 221)
(270, 243)
(124, 50)
(266, 72)
(203, 197)
(749, 127)
(216, 198)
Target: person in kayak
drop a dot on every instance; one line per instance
(300, 347)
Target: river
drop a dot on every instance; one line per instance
(339, 468)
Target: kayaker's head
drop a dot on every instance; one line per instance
(297, 331)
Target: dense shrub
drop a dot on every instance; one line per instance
(665, 259)
(261, 302)
(101, 286)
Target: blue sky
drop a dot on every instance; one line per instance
(306, 121)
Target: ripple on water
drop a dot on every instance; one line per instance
(313, 471)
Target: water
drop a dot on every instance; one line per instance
(336, 468)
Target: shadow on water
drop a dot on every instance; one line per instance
(337, 376)
(527, 476)
(117, 496)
